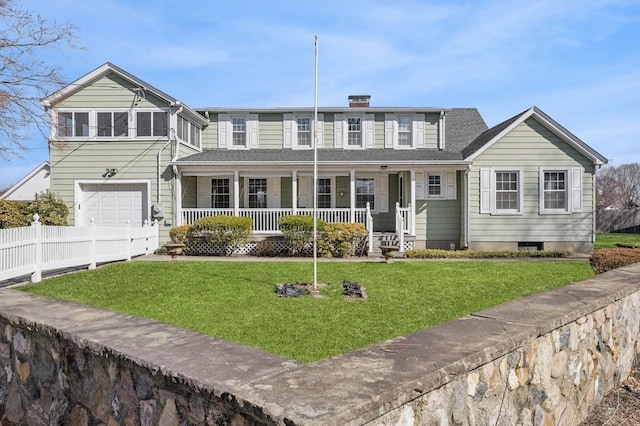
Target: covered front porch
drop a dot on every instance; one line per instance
(380, 199)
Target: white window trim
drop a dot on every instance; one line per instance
(290, 130)
(448, 188)
(225, 131)
(573, 190)
(132, 123)
(380, 191)
(391, 131)
(133, 126)
(367, 131)
(488, 191)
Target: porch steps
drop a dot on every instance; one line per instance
(385, 239)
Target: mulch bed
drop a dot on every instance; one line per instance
(621, 406)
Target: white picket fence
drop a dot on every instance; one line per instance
(36, 249)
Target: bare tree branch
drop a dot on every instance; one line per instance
(24, 77)
(619, 186)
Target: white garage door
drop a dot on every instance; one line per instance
(114, 204)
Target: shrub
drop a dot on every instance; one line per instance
(468, 254)
(340, 239)
(178, 234)
(228, 232)
(14, 214)
(298, 232)
(51, 209)
(603, 260)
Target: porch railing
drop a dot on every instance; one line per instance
(404, 221)
(266, 220)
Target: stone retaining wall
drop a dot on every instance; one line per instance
(543, 360)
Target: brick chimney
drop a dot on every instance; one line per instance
(359, 101)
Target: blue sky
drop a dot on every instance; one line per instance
(577, 61)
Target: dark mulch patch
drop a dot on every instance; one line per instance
(621, 406)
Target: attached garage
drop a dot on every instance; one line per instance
(113, 204)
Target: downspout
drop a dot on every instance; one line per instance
(172, 138)
(466, 207)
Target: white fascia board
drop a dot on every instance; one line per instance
(98, 73)
(292, 164)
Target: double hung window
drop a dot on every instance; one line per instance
(354, 132)
(239, 131)
(257, 193)
(365, 192)
(405, 131)
(324, 193)
(304, 131)
(220, 193)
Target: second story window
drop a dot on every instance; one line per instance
(354, 132)
(73, 124)
(404, 131)
(151, 123)
(113, 124)
(304, 131)
(239, 131)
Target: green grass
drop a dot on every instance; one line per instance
(610, 240)
(236, 300)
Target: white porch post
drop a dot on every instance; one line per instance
(236, 193)
(352, 196)
(412, 213)
(294, 192)
(178, 200)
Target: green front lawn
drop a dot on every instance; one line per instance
(610, 240)
(236, 300)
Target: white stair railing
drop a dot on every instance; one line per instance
(400, 228)
(369, 225)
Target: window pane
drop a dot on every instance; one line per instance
(324, 193)
(304, 131)
(404, 131)
(507, 191)
(555, 195)
(65, 124)
(121, 123)
(365, 192)
(434, 185)
(257, 193)
(160, 124)
(82, 124)
(179, 130)
(220, 193)
(354, 137)
(239, 131)
(144, 124)
(104, 124)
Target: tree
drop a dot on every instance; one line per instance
(24, 77)
(619, 186)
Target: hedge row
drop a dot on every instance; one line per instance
(603, 260)
(229, 232)
(468, 254)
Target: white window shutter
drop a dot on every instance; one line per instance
(273, 192)
(418, 130)
(485, 190)
(224, 131)
(451, 186)
(369, 131)
(288, 121)
(389, 124)
(340, 131)
(576, 189)
(304, 191)
(419, 185)
(252, 127)
(382, 195)
(320, 130)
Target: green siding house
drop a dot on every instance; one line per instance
(122, 151)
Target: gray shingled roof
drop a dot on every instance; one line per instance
(462, 126)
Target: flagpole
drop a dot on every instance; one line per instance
(315, 171)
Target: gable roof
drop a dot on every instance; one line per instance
(492, 135)
(15, 189)
(109, 68)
